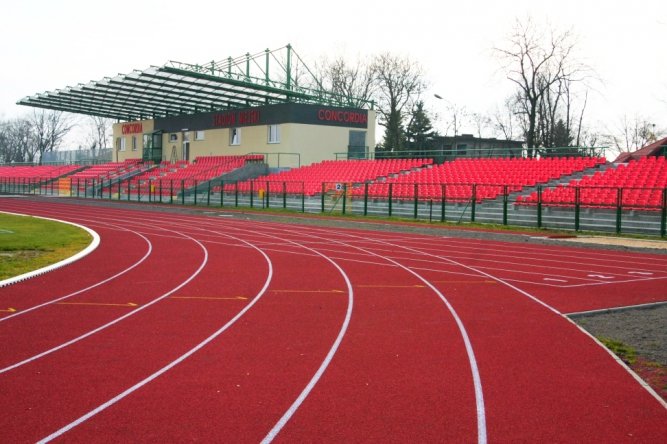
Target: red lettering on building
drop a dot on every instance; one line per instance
(132, 128)
(333, 115)
(249, 117)
(225, 119)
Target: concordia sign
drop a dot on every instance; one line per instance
(132, 128)
(334, 115)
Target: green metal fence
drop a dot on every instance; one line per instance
(603, 209)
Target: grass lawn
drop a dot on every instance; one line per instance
(29, 243)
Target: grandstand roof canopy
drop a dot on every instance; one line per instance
(177, 88)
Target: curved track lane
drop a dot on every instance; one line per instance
(401, 371)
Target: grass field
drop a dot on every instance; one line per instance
(29, 243)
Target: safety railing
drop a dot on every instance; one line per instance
(602, 209)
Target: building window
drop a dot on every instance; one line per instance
(173, 137)
(274, 134)
(235, 136)
(120, 143)
(134, 143)
(199, 135)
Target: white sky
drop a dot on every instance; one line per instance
(50, 44)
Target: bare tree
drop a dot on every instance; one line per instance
(481, 123)
(633, 133)
(537, 65)
(354, 83)
(49, 128)
(504, 119)
(399, 83)
(16, 139)
(100, 133)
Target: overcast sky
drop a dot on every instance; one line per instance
(50, 44)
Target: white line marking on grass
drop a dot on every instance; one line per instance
(27, 310)
(117, 320)
(85, 252)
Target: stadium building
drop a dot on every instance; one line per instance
(268, 103)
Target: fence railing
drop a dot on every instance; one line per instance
(603, 209)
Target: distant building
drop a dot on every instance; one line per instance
(655, 149)
(467, 145)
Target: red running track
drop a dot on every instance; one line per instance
(242, 331)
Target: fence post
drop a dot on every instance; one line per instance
(171, 191)
(473, 204)
(416, 196)
(236, 194)
(302, 189)
(663, 219)
(208, 195)
(303, 197)
(222, 193)
(366, 199)
(160, 190)
(577, 208)
(443, 189)
(391, 192)
(266, 193)
(252, 192)
(619, 208)
(284, 194)
(505, 200)
(195, 192)
(182, 191)
(128, 189)
(344, 196)
(539, 206)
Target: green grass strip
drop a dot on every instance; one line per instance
(626, 353)
(29, 243)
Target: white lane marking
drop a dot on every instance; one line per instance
(275, 430)
(85, 252)
(172, 364)
(554, 280)
(27, 310)
(327, 360)
(600, 276)
(117, 320)
(477, 381)
(641, 273)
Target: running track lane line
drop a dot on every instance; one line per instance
(332, 351)
(477, 383)
(479, 398)
(117, 320)
(641, 382)
(148, 253)
(31, 274)
(172, 364)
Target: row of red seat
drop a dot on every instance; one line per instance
(641, 182)
(309, 179)
(37, 172)
(106, 171)
(499, 172)
(185, 174)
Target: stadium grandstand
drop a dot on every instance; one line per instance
(254, 103)
(247, 131)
